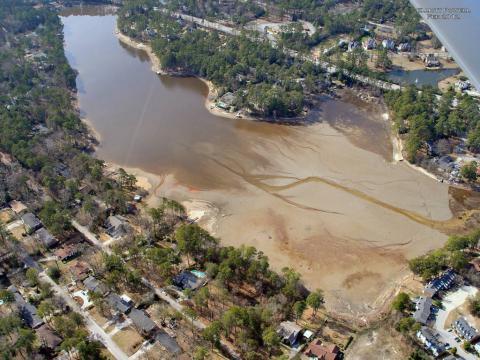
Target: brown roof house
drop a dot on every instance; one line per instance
(47, 337)
(317, 350)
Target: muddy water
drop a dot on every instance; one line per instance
(323, 198)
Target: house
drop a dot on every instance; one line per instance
(429, 338)
(92, 284)
(289, 332)
(462, 85)
(67, 252)
(79, 271)
(18, 207)
(27, 312)
(318, 351)
(388, 44)
(116, 226)
(188, 280)
(44, 237)
(446, 163)
(423, 309)
(442, 282)
(47, 337)
(142, 322)
(370, 44)
(352, 45)
(117, 303)
(226, 101)
(431, 61)
(404, 47)
(31, 222)
(465, 330)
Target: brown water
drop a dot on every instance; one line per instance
(323, 198)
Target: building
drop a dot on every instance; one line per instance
(429, 338)
(79, 271)
(44, 237)
(118, 304)
(462, 85)
(47, 337)
(92, 284)
(431, 61)
(18, 207)
(423, 310)
(142, 322)
(318, 351)
(388, 44)
(289, 332)
(226, 101)
(67, 252)
(27, 312)
(465, 330)
(352, 45)
(188, 280)
(116, 226)
(31, 223)
(404, 47)
(442, 282)
(370, 44)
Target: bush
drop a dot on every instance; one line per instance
(54, 273)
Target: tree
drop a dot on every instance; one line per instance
(54, 273)
(401, 302)
(7, 296)
(212, 333)
(299, 308)
(90, 350)
(467, 345)
(469, 171)
(200, 353)
(32, 276)
(26, 340)
(270, 339)
(45, 309)
(315, 300)
(474, 305)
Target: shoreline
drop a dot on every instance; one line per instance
(157, 68)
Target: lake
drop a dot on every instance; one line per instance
(324, 198)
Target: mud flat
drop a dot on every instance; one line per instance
(325, 199)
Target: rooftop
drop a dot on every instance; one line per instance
(142, 321)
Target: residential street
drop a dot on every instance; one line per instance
(92, 326)
(450, 303)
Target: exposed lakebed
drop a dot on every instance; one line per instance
(323, 198)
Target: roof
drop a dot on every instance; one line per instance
(18, 206)
(67, 251)
(115, 226)
(47, 239)
(289, 331)
(422, 312)
(27, 311)
(31, 221)
(47, 337)
(465, 329)
(142, 321)
(117, 303)
(322, 352)
(94, 285)
(442, 282)
(431, 337)
(80, 270)
(187, 280)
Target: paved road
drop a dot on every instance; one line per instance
(450, 303)
(91, 325)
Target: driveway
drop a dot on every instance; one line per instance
(450, 303)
